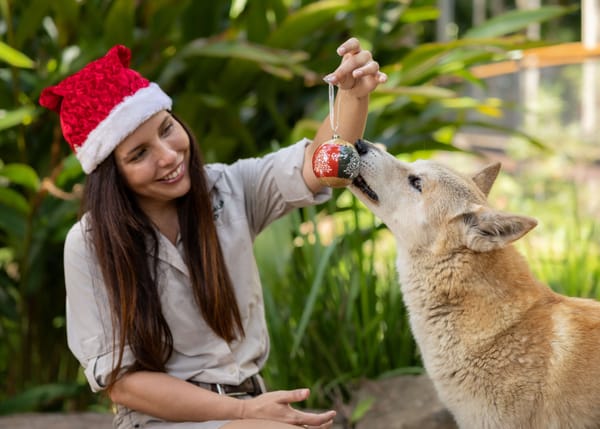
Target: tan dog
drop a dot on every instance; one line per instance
(503, 350)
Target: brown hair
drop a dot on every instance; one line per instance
(123, 236)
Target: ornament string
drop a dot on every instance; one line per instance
(333, 115)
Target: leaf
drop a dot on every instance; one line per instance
(419, 14)
(8, 306)
(21, 174)
(11, 118)
(13, 199)
(363, 406)
(30, 22)
(39, 397)
(426, 91)
(312, 296)
(242, 50)
(14, 57)
(12, 222)
(308, 19)
(120, 22)
(71, 170)
(516, 20)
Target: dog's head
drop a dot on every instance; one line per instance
(428, 205)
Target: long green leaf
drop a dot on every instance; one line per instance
(14, 57)
(30, 22)
(242, 50)
(425, 91)
(312, 296)
(516, 20)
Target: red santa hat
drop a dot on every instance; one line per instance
(102, 104)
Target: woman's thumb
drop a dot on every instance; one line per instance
(300, 394)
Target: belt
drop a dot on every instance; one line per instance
(252, 386)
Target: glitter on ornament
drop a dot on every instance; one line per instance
(336, 163)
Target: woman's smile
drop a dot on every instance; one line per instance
(175, 175)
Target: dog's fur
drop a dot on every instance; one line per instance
(503, 350)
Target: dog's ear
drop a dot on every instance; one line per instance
(487, 229)
(486, 177)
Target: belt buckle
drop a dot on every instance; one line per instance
(257, 388)
(222, 390)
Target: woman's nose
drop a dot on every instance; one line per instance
(167, 154)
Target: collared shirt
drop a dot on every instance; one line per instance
(246, 196)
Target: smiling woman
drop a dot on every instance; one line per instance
(164, 301)
(154, 161)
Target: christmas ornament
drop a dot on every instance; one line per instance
(336, 162)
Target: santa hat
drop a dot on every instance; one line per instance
(102, 104)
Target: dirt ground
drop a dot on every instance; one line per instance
(406, 402)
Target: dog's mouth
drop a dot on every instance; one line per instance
(362, 185)
(363, 148)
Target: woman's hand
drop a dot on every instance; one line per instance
(356, 77)
(358, 73)
(276, 406)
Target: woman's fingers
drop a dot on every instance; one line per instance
(350, 63)
(351, 45)
(358, 71)
(314, 420)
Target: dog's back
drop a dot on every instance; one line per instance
(502, 349)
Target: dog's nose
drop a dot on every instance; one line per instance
(361, 147)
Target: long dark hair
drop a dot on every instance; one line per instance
(123, 237)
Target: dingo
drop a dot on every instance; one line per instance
(502, 349)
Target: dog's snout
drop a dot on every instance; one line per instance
(361, 147)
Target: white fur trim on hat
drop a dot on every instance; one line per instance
(120, 122)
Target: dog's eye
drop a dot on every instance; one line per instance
(415, 182)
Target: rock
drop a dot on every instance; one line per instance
(406, 402)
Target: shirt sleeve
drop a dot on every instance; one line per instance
(89, 327)
(273, 185)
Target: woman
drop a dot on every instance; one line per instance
(164, 305)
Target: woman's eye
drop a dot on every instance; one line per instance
(138, 154)
(415, 182)
(167, 129)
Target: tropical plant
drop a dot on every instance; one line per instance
(244, 75)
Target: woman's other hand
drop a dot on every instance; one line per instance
(277, 406)
(358, 73)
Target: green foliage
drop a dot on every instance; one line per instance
(333, 303)
(515, 20)
(244, 75)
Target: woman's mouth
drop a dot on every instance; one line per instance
(174, 175)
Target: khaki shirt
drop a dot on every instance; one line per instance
(247, 196)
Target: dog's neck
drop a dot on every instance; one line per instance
(449, 290)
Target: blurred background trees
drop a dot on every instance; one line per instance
(246, 76)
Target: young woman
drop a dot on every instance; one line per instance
(164, 304)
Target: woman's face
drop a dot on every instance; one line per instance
(154, 161)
